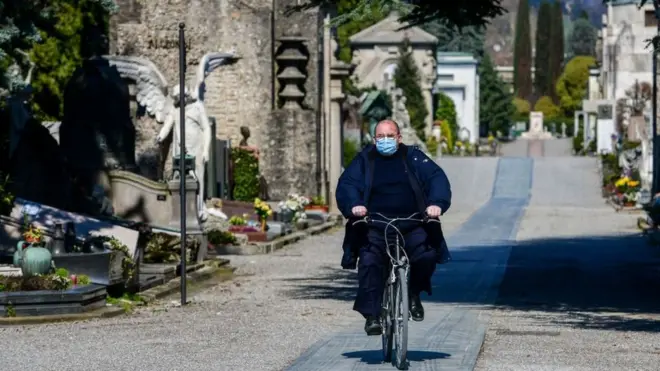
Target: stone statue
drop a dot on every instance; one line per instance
(245, 132)
(402, 117)
(400, 112)
(152, 93)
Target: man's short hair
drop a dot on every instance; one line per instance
(389, 121)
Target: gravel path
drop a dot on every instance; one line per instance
(581, 288)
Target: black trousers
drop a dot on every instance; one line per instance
(373, 270)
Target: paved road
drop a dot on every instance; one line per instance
(537, 258)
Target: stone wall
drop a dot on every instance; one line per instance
(236, 95)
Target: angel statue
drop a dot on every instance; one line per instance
(152, 93)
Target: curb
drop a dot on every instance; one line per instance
(105, 312)
(212, 268)
(173, 285)
(624, 209)
(279, 242)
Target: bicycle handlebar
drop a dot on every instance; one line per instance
(367, 219)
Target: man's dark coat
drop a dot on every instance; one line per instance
(428, 181)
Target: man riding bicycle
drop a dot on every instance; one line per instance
(394, 180)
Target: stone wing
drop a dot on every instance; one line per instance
(208, 64)
(150, 83)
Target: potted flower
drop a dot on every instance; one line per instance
(263, 211)
(31, 255)
(317, 203)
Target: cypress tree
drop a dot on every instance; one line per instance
(522, 54)
(556, 55)
(542, 73)
(495, 102)
(408, 79)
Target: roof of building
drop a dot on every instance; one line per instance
(388, 31)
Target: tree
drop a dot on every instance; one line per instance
(23, 24)
(496, 107)
(57, 57)
(452, 39)
(407, 78)
(572, 84)
(522, 53)
(548, 107)
(455, 13)
(542, 73)
(446, 112)
(522, 107)
(582, 40)
(556, 49)
(353, 26)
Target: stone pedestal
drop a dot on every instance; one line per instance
(193, 228)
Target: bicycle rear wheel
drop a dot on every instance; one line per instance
(401, 318)
(387, 321)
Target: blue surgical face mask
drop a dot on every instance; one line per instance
(386, 146)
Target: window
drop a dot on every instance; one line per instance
(649, 19)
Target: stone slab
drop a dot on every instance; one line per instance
(49, 302)
(101, 268)
(47, 217)
(277, 243)
(451, 336)
(10, 271)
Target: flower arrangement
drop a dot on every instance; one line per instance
(32, 235)
(627, 188)
(295, 204)
(263, 211)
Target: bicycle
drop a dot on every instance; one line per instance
(395, 314)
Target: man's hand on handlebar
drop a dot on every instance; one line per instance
(359, 211)
(433, 211)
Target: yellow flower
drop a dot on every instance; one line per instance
(270, 212)
(633, 183)
(622, 181)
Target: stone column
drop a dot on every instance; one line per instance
(428, 99)
(338, 72)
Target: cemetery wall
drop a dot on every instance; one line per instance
(238, 95)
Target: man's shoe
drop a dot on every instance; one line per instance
(372, 327)
(416, 308)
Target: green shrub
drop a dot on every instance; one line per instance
(245, 175)
(351, 149)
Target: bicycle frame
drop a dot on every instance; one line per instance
(395, 298)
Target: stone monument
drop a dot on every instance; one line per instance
(152, 93)
(536, 130)
(292, 129)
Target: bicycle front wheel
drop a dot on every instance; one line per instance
(401, 318)
(387, 321)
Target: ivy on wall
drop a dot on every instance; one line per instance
(245, 173)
